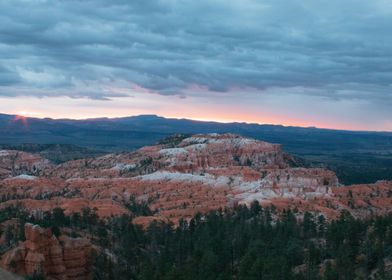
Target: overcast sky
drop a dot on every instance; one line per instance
(309, 63)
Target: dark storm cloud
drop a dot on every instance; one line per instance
(337, 49)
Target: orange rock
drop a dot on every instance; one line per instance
(200, 173)
(43, 252)
(14, 163)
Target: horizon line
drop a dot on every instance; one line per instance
(193, 119)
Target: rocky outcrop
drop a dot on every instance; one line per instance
(201, 152)
(176, 180)
(195, 174)
(193, 154)
(14, 163)
(61, 259)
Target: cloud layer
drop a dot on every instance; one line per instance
(339, 50)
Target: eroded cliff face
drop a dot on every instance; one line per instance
(176, 180)
(17, 163)
(193, 154)
(63, 259)
(195, 174)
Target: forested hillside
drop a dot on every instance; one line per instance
(239, 243)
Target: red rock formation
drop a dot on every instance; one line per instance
(43, 252)
(199, 173)
(196, 153)
(13, 163)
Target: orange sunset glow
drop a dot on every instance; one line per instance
(222, 115)
(260, 62)
(261, 109)
(195, 140)
(21, 118)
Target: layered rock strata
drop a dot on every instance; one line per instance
(179, 179)
(61, 259)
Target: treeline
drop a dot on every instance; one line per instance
(240, 243)
(248, 243)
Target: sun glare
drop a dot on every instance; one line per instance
(23, 115)
(28, 114)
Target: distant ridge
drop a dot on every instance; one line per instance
(128, 133)
(358, 156)
(153, 117)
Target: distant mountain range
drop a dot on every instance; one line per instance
(356, 156)
(133, 132)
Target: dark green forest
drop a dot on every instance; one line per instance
(240, 243)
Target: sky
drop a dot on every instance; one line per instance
(291, 62)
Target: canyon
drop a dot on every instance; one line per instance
(175, 179)
(184, 176)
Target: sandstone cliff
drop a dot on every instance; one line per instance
(64, 258)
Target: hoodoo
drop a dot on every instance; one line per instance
(184, 176)
(42, 252)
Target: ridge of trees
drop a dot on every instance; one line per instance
(240, 243)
